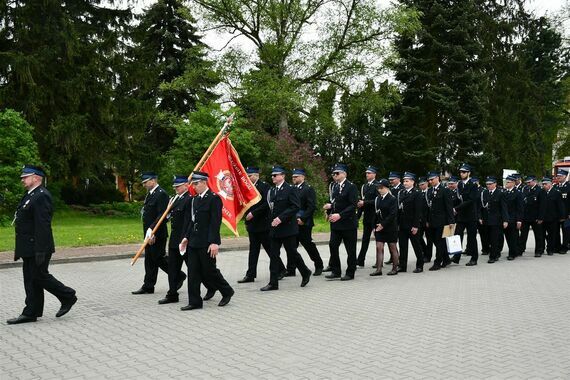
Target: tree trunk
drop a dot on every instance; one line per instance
(283, 122)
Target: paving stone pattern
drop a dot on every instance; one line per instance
(508, 320)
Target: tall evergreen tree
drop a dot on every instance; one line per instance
(442, 116)
(57, 63)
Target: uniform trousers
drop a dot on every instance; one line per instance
(256, 240)
(202, 269)
(405, 235)
(305, 238)
(349, 237)
(290, 245)
(154, 258)
(37, 279)
(175, 274)
(538, 237)
(367, 231)
(441, 256)
(472, 248)
(552, 236)
(512, 237)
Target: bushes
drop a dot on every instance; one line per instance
(95, 193)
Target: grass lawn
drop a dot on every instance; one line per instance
(78, 229)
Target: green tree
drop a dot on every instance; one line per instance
(441, 120)
(57, 63)
(299, 46)
(17, 148)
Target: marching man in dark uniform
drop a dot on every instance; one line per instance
(495, 216)
(386, 231)
(410, 213)
(341, 211)
(202, 240)
(35, 245)
(554, 213)
(366, 210)
(258, 225)
(440, 214)
(564, 187)
(155, 203)
(284, 204)
(515, 209)
(176, 217)
(308, 199)
(534, 199)
(427, 244)
(466, 214)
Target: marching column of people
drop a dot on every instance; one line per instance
(396, 210)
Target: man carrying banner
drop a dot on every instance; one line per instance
(155, 204)
(258, 225)
(202, 240)
(284, 203)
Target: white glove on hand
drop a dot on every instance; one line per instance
(148, 234)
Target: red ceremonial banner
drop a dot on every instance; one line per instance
(228, 179)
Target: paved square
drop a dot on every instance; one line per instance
(506, 320)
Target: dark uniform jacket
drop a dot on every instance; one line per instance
(308, 199)
(260, 210)
(564, 189)
(440, 206)
(515, 205)
(344, 198)
(155, 204)
(284, 204)
(204, 220)
(368, 194)
(534, 199)
(468, 194)
(494, 208)
(178, 219)
(387, 212)
(554, 206)
(410, 208)
(33, 224)
(396, 189)
(425, 207)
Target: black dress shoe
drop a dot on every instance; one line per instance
(209, 294)
(181, 282)
(306, 279)
(374, 266)
(346, 277)
(388, 262)
(445, 264)
(190, 307)
(290, 274)
(282, 275)
(510, 258)
(246, 279)
(434, 267)
(360, 263)
(402, 270)
(484, 253)
(332, 276)
(550, 253)
(455, 259)
(376, 273)
(318, 271)
(66, 306)
(269, 287)
(143, 291)
(427, 259)
(563, 252)
(226, 299)
(418, 270)
(327, 269)
(393, 272)
(21, 319)
(537, 254)
(491, 261)
(471, 263)
(168, 299)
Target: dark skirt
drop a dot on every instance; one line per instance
(383, 236)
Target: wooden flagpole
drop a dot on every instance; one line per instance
(205, 156)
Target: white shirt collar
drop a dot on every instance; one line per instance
(342, 183)
(153, 189)
(203, 193)
(29, 191)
